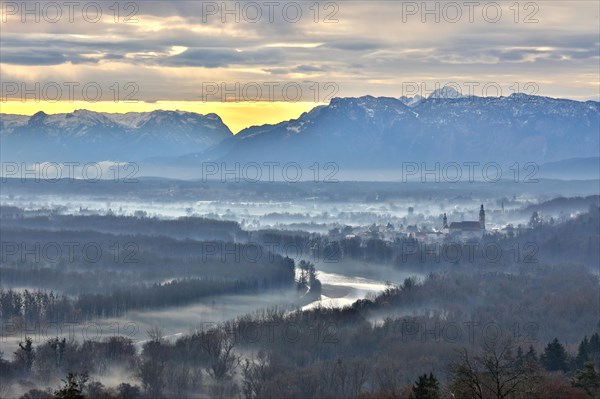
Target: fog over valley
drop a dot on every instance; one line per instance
(299, 200)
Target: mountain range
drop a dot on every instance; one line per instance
(365, 132)
(85, 136)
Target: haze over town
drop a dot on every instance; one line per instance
(299, 200)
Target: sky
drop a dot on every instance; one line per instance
(267, 61)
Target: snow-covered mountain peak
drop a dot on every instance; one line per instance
(446, 92)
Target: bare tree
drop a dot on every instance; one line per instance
(151, 375)
(151, 371)
(5, 388)
(495, 373)
(218, 346)
(256, 375)
(155, 334)
(223, 390)
(359, 375)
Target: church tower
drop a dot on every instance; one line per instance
(482, 218)
(445, 222)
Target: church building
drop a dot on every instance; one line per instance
(467, 228)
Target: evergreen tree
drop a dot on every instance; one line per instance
(588, 379)
(520, 359)
(554, 357)
(531, 355)
(72, 388)
(594, 349)
(427, 387)
(583, 355)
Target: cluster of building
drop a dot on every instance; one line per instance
(467, 229)
(458, 231)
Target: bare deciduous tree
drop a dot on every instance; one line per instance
(218, 346)
(495, 373)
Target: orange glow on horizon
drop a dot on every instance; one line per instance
(236, 116)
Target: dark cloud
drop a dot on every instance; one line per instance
(113, 57)
(354, 45)
(213, 58)
(297, 69)
(369, 44)
(42, 57)
(310, 68)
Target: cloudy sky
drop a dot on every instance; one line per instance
(221, 57)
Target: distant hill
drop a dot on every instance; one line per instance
(356, 133)
(375, 133)
(83, 136)
(563, 205)
(575, 168)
